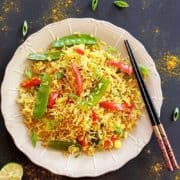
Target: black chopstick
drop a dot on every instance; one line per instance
(158, 128)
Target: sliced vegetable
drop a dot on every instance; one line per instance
(34, 138)
(59, 75)
(123, 67)
(115, 106)
(35, 81)
(61, 145)
(11, 171)
(94, 4)
(74, 39)
(52, 99)
(118, 130)
(113, 138)
(28, 73)
(96, 94)
(107, 144)
(42, 96)
(45, 56)
(82, 140)
(121, 4)
(111, 49)
(176, 114)
(79, 51)
(144, 70)
(79, 85)
(25, 28)
(94, 117)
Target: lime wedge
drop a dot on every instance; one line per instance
(11, 171)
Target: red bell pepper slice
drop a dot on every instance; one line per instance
(94, 117)
(82, 140)
(52, 99)
(107, 144)
(79, 51)
(115, 106)
(78, 79)
(123, 67)
(35, 81)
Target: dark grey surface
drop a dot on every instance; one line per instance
(142, 19)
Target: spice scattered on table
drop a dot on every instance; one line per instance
(156, 169)
(8, 7)
(169, 65)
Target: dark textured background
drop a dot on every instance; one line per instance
(156, 23)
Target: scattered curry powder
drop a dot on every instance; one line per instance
(169, 65)
(156, 169)
(7, 7)
(57, 11)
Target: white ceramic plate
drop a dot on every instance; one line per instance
(54, 161)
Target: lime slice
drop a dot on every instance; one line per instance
(11, 171)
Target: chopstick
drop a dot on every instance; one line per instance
(159, 131)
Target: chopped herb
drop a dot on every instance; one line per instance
(94, 4)
(34, 138)
(28, 73)
(25, 28)
(144, 71)
(111, 49)
(176, 114)
(118, 130)
(59, 75)
(121, 4)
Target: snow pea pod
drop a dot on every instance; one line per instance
(45, 56)
(61, 145)
(74, 39)
(96, 94)
(41, 100)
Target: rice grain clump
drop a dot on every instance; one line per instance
(82, 100)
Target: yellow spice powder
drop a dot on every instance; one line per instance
(156, 169)
(169, 65)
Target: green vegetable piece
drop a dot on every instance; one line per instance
(42, 97)
(61, 145)
(28, 73)
(25, 28)
(74, 39)
(45, 56)
(118, 130)
(34, 138)
(144, 71)
(96, 94)
(59, 75)
(94, 4)
(121, 4)
(176, 114)
(111, 49)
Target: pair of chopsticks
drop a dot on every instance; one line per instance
(162, 139)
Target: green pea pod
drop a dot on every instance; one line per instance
(61, 145)
(42, 97)
(74, 39)
(96, 94)
(45, 56)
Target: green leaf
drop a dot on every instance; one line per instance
(144, 71)
(25, 28)
(74, 39)
(45, 56)
(121, 4)
(28, 73)
(34, 138)
(94, 4)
